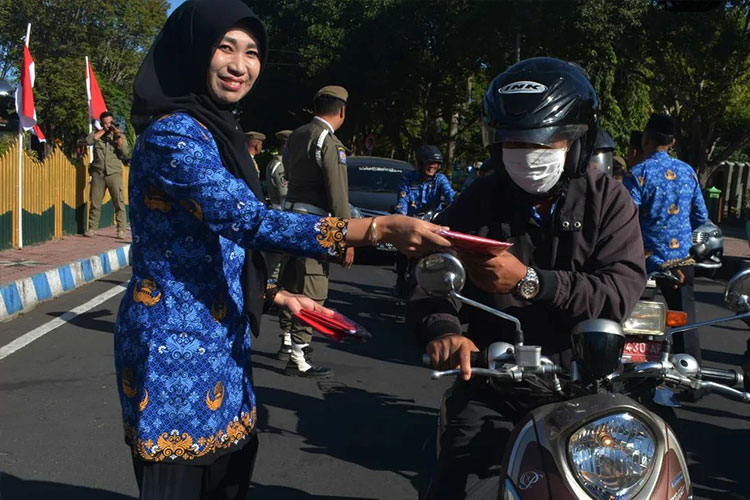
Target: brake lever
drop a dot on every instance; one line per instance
(727, 391)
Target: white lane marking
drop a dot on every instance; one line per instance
(29, 337)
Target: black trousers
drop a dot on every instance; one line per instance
(472, 443)
(402, 263)
(228, 478)
(683, 299)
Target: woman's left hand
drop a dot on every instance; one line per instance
(295, 303)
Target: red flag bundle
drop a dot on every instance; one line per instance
(96, 100)
(337, 327)
(25, 97)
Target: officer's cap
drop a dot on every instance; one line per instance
(283, 135)
(663, 124)
(255, 135)
(333, 91)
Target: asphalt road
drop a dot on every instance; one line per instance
(361, 434)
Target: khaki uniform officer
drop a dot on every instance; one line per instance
(318, 185)
(110, 148)
(255, 146)
(275, 172)
(276, 186)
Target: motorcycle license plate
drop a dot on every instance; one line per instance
(639, 352)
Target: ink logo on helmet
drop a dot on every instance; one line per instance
(522, 87)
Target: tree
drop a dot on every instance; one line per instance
(115, 34)
(699, 71)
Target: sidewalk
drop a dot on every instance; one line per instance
(42, 272)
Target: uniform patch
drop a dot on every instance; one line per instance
(402, 194)
(342, 156)
(670, 175)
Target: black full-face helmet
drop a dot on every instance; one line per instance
(428, 153)
(602, 157)
(541, 101)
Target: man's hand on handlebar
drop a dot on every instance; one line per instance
(452, 352)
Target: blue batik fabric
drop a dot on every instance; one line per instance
(182, 341)
(671, 205)
(416, 196)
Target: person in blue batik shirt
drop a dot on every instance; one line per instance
(182, 336)
(421, 191)
(671, 205)
(424, 189)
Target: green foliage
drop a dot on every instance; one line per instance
(700, 69)
(113, 33)
(417, 70)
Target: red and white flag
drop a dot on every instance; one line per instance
(96, 100)
(25, 97)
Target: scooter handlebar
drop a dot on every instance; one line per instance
(728, 377)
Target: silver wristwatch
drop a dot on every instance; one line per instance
(528, 286)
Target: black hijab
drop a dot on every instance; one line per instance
(173, 79)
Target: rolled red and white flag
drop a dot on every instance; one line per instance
(25, 97)
(96, 100)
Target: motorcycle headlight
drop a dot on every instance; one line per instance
(613, 457)
(647, 318)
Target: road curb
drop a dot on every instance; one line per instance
(24, 294)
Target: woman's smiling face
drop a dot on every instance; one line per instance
(234, 67)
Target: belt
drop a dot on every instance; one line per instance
(305, 208)
(276, 206)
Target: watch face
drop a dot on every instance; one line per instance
(529, 286)
(529, 289)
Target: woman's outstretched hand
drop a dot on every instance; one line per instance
(295, 303)
(411, 236)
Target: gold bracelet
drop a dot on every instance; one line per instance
(374, 231)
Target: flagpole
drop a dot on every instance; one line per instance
(20, 163)
(88, 94)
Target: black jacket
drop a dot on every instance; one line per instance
(589, 258)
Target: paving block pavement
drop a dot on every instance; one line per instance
(42, 272)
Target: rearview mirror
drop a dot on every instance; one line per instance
(440, 274)
(737, 292)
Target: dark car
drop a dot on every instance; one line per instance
(373, 186)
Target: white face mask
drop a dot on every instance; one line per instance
(536, 171)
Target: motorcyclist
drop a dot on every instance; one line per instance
(425, 188)
(575, 256)
(420, 191)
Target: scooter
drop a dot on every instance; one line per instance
(593, 441)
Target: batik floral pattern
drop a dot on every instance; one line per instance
(182, 342)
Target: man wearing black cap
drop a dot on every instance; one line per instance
(318, 185)
(668, 194)
(634, 152)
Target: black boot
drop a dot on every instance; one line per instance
(300, 364)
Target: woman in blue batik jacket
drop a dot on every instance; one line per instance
(182, 341)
